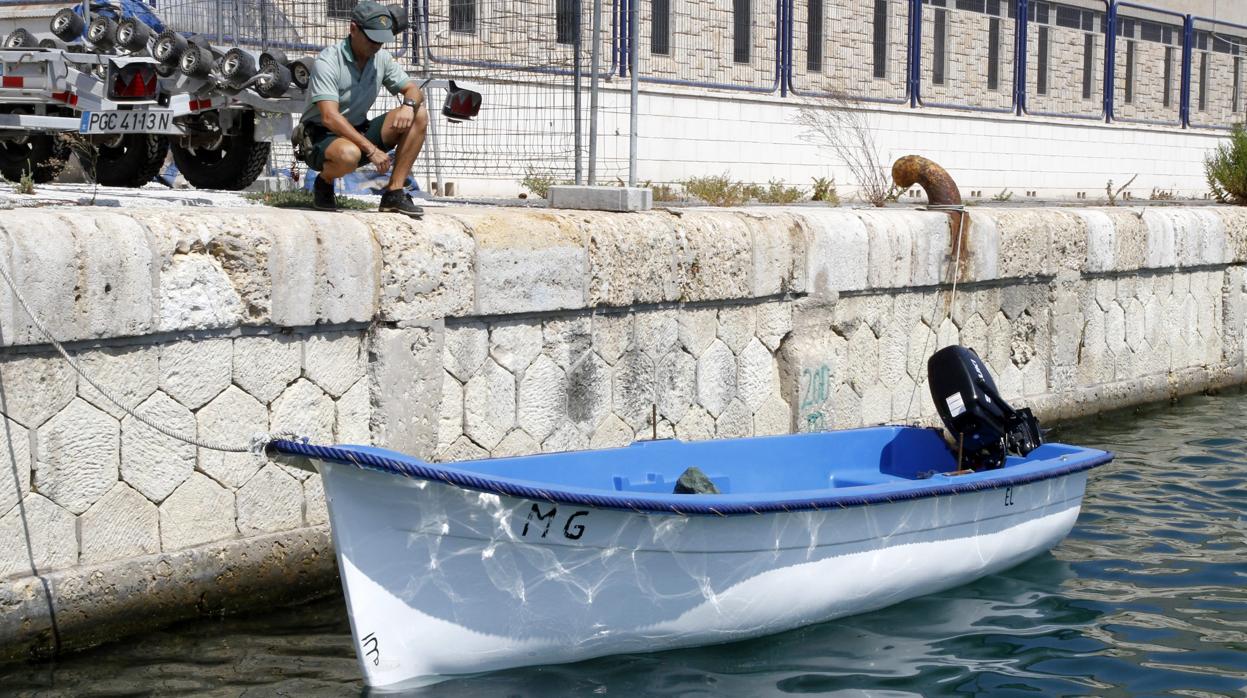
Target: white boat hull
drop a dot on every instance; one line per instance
(442, 581)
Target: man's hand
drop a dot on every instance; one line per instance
(379, 160)
(406, 114)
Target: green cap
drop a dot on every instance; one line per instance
(375, 20)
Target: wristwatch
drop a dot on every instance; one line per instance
(415, 106)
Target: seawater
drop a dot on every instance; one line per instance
(1147, 596)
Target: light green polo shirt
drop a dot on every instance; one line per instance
(336, 79)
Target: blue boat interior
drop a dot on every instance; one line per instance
(789, 463)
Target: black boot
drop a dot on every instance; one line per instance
(322, 195)
(398, 201)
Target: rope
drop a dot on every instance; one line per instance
(961, 227)
(255, 446)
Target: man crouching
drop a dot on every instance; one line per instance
(345, 81)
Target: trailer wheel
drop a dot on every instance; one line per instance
(43, 155)
(131, 160)
(232, 164)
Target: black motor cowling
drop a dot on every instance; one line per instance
(984, 427)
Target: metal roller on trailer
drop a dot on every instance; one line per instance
(122, 93)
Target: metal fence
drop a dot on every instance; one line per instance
(1064, 59)
(851, 49)
(966, 54)
(1217, 53)
(1147, 56)
(726, 45)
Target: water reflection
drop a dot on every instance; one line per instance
(1148, 595)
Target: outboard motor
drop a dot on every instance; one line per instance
(984, 427)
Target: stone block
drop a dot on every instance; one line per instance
(426, 267)
(15, 464)
(242, 246)
(489, 405)
(527, 262)
(566, 438)
(114, 294)
(982, 241)
(676, 385)
(315, 510)
(196, 294)
(735, 422)
(461, 450)
(635, 380)
(271, 501)
(716, 378)
(891, 235)
(772, 417)
(77, 457)
(334, 361)
(515, 343)
(613, 432)
(567, 340)
(1161, 241)
(465, 348)
(1101, 241)
(697, 425)
(195, 371)
(151, 462)
(199, 511)
(589, 391)
(325, 267)
(612, 334)
(264, 365)
(542, 403)
(353, 416)
(131, 374)
(231, 417)
(1234, 221)
(516, 443)
(122, 524)
(774, 323)
(36, 537)
(632, 259)
(737, 326)
(44, 266)
(834, 253)
(405, 381)
(757, 376)
(863, 363)
(306, 410)
(450, 418)
(601, 198)
(893, 354)
(714, 257)
(698, 327)
(33, 388)
(775, 240)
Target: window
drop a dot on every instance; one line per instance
(1168, 86)
(938, 47)
(567, 20)
(881, 39)
(1203, 81)
(660, 32)
(993, 54)
(742, 20)
(463, 16)
(814, 38)
(1129, 98)
(1041, 65)
(340, 9)
(1236, 95)
(1088, 65)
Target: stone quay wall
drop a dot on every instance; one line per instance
(489, 332)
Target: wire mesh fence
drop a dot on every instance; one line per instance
(851, 49)
(1217, 73)
(730, 45)
(967, 57)
(1147, 65)
(1065, 49)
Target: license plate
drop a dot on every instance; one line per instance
(127, 122)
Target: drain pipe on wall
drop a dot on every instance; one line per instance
(942, 195)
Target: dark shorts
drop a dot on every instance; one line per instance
(322, 138)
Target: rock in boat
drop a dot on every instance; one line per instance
(474, 566)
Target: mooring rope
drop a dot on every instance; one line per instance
(255, 445)
(961, 227)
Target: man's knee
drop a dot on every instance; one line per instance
(344, 154)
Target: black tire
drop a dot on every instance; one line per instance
(43, 155)
(233, 165)
(132, 162)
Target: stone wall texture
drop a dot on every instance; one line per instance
(495, 332)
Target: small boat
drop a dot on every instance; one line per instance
(480, 565)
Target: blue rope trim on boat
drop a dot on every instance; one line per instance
(424, 471)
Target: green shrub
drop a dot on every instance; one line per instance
(825, 191)
(1226, 169)
(301, 198)
(718, 190)
(538, 182)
